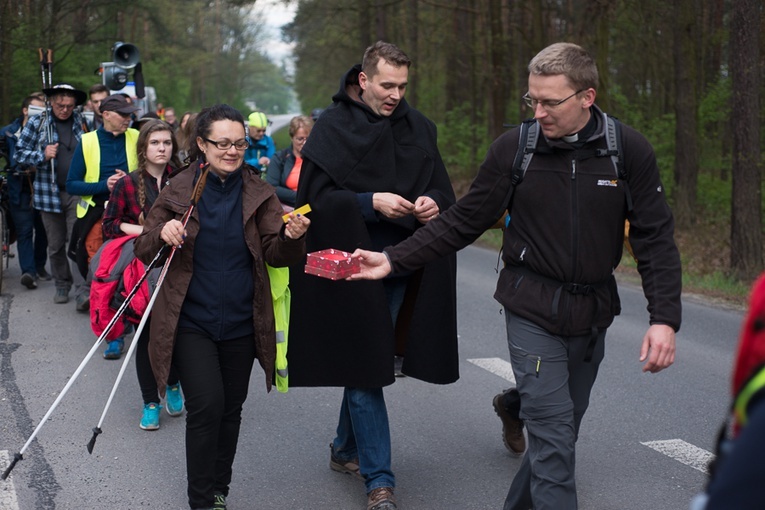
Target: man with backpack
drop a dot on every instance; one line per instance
(561, 246)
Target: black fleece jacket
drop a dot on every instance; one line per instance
(567, 227)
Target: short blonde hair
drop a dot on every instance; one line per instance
(570, 60)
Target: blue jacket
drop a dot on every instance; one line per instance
(257, 149)
(278, 170)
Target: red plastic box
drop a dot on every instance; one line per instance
(332, 264)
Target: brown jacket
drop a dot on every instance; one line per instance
(264, 232)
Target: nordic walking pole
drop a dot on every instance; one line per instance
(50, 67)
(46, 61)
(195, 198)
(20, 455)
(97, 430)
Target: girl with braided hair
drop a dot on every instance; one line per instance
(129, 203)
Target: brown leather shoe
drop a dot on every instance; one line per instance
(512, 426)
(381, 499)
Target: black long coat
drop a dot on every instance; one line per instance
(341, 333)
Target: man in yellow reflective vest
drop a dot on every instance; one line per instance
(102, 158)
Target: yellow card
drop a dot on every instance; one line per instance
(300, 210)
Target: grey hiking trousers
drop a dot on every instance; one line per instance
(554, 382)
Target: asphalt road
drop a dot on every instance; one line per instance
(643, 442)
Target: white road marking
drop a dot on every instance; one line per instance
(688, 454)
(496, 366)
(8, 500)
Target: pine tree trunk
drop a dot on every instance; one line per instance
(746, 215)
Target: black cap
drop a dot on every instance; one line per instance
(117, 103)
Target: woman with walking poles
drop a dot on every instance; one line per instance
(216, 306)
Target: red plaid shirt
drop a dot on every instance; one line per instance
(123, 204)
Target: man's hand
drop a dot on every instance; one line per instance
(658, 348)
(374, 265)
(392, 205)
(425, 209)
(51, 151)
(112, 180)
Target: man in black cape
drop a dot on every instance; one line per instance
(372, 175)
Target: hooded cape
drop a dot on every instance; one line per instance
(341, 333)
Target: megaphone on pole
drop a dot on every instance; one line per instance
(125, 55)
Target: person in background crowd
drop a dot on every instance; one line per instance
(48, 143)
(187, 138)
(284, 169)
(97, 93)
(216, 308)
(101, 159)
(557, 283)
(262, 147)
(373, 176)
(170, 118)
(31, 242)
(129, 203)
(160, 111)
(184, 119)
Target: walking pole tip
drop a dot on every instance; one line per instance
(7, 472)
(92, 442)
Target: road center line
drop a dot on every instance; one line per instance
(496, 366)
(8, 498)
(688, 454)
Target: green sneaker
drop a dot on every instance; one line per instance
(150, 419)
(219, 501)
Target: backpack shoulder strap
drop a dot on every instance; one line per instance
(527, 144)
(528, 135)
(615, 151)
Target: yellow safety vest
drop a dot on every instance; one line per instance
(748, 391)
(281, 296)
(91, 151)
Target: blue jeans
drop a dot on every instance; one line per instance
(363, 431)
(31, 242)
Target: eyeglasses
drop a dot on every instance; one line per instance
(301, 139)
(64, 106)
(225, 145)
(547, 104)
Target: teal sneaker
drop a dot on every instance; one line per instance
(174, 402)
(114, 349)
(150, 419)
(219, 501)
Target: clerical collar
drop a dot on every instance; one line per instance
(584, 134)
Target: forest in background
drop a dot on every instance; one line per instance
(193, 52)
(688, 74)
(680, 72)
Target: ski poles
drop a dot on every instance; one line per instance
(195, 196)
(20, 455)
